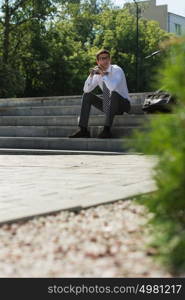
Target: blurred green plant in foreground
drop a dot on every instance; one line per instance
(165, 138)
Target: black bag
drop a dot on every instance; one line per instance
(160, 101)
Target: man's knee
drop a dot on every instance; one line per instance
(87, 96)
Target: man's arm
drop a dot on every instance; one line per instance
(91, 82)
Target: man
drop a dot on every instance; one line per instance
(111, 79)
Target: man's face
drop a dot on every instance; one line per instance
(104, 61)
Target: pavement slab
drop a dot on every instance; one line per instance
(33, 185)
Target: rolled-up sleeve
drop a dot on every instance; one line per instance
(90, 83)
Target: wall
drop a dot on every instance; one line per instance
(158, 13)
(175, 19)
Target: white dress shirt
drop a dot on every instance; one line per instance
(115, 81)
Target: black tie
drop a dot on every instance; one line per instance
(106, 98)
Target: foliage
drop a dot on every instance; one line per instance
(166, 139)
(117, 32)
(17, 17)
(52, 43)
(12, 84)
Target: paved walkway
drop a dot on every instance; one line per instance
(33, 184)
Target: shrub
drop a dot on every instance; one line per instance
(166, 139)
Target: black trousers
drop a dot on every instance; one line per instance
(118, 105)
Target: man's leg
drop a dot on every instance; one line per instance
(88, 99)
(118, 105)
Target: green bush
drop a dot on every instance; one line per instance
(166, 139)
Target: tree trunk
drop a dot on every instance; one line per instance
(6, 33)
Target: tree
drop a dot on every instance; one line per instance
(17, 12)
(49, 41)
(116, 31)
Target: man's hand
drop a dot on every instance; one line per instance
(96, 71)
(101, 72)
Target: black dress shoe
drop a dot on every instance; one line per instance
(80, 134)
(105, 134)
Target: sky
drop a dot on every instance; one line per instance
(174, 6)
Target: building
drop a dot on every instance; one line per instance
(168, 21)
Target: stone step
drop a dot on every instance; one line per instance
(55, 110)
(45, 122)
(92, 144)
(136, 98)
(16, 151)
(41, 101)
(96, 120)
(60, 131)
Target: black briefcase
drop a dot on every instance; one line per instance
(159, 101)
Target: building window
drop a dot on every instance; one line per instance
(178, 29)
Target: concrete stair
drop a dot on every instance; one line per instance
(46, 123)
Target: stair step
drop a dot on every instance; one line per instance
(136, 98)
(16, 151)
(92, 144)
(45, 122)
(72, 120)
(41, 101)
(55, 110)
(60, 131)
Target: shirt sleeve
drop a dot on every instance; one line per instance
(90, 83)
(112, 82)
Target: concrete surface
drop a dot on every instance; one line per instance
(33, 184)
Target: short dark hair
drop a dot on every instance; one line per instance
(101, 52)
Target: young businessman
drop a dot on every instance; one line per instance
(115, 100)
